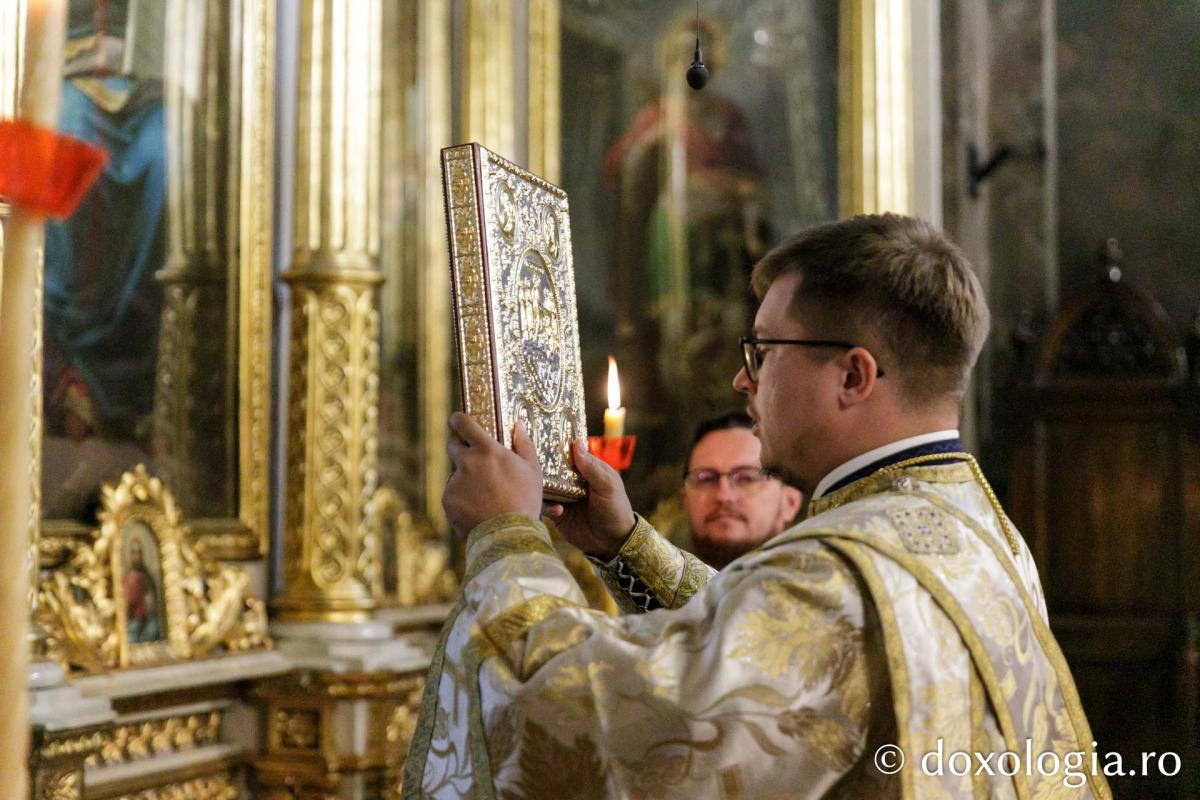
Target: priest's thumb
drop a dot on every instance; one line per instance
(594, 470)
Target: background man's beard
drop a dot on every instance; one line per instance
(718, 555)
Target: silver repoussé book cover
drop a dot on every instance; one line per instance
(515, 321)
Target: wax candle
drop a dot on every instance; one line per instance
(614, 415)
(41, 79)
(42, 59)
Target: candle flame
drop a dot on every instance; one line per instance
(614, 385)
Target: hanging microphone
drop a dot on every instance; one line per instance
(697, 74)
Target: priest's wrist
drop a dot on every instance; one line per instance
(616, 543)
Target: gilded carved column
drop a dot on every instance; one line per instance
(875, 111)
(545, 127)
(489, 96)
(330, 560)
(193, 387)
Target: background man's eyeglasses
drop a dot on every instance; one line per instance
(752, 357)
(741, 478)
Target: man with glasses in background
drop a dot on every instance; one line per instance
(732, 505)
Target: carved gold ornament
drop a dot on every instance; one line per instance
(221, 786)
(299, 729)
(63, 787)
(139, 595)
(134, 741)
(414, 558)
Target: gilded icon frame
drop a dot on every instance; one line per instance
(129, 520)
(203, 607)
(243, 535)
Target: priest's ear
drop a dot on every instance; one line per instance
(861, 374)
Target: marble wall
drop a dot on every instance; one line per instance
(1099, 102)
(1129, 146)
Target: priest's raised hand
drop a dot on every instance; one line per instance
(488, 478)
(603, 522)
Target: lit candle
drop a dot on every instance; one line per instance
(41, 80)
(614, 415)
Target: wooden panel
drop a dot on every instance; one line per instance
(1105, 484)
(1110, 526)
(1190, 486)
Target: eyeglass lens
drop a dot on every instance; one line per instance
(741, 478)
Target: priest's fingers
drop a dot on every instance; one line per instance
(450, 501)
(471, 432)
(552, 510)
(456, 448)
(610, 518)
(523, 445)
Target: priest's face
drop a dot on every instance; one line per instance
(794, 402)
(731, 507)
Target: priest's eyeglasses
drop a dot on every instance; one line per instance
(740, 478)
(752, 355)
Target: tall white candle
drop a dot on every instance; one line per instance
(41, 79)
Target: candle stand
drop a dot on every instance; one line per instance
(616, 451)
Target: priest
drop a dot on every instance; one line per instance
(856, 655)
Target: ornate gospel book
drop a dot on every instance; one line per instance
(515, 323)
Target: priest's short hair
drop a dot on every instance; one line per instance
(897, 286)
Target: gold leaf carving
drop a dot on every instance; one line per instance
(413, 557)
(206, 787)
(403, 722)
(298, 729)
(137, 740)
(207, 604)
(74, 745)
(330, 557)
(65, 786)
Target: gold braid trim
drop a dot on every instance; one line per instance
(945, 600)
(503, 536)
(1045, 637)
(422, 738)
(695, 577)
(672, 575)
(970, 637)
(894, 649)
(871, 484)
(512, 533)
(506, 628)
(501, 523)
(980, 741)
(476, 651)
(957, 472)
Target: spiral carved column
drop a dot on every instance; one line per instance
(194, 385)
(330, 556)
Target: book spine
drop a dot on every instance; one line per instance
(474, 332)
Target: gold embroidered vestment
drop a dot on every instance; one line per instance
(896, 613)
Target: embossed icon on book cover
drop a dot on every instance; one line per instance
(516, 325)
